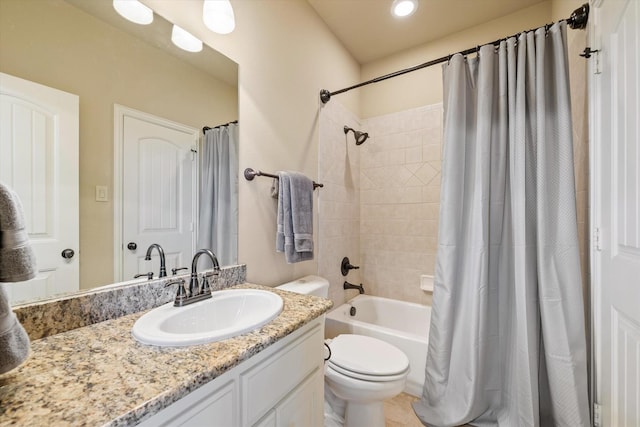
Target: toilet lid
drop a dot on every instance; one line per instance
(359, 354)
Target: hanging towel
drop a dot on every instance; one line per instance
(17, 261)
(275, 188)
(295, 217)
(14, 341)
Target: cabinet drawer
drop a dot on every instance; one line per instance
(265, 384)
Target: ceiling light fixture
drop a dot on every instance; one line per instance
(185, 40)
(134, 11)
(402, 8)
(218, 16)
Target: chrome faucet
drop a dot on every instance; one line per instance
(163, 270)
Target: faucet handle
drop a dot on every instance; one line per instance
(181, 294)
(206, 277)
(174, 271)
(205, 288)
(149, 275)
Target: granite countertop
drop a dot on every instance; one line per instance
(99, 375)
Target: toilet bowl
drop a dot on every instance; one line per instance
(362, 371)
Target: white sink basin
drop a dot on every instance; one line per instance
(227, 314)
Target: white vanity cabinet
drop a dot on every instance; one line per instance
(280, 386)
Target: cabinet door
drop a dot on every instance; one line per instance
(267, 383)
(269, 420)
(303, 407)
(201, 408)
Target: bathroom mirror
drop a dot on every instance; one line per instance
(87, 49)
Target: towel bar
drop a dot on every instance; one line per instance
(249, 174)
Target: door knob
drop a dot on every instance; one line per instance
(68, 253)
(132, 246)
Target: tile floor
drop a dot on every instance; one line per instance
(399, 413)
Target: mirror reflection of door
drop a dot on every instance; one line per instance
(159, 192)
(39, 161)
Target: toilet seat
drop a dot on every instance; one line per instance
(366, 358)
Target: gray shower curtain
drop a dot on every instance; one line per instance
(507, 338)
(218, 219)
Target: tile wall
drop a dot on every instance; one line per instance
(400, 201)
(339, 200)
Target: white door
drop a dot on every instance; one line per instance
(39, 160)
(159, 192)
(616, 211)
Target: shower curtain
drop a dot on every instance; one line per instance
(507, 338)
(218, 227)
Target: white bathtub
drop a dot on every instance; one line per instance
(403, 324)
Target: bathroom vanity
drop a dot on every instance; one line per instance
(280, 386)
(100, 375)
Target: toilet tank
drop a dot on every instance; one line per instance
(308, 285)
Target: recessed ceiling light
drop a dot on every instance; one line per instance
(185, 40)
(402, 8)
(218, 16)
(134, 11)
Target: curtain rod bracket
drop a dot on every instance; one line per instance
(325, 96)
(579, 18)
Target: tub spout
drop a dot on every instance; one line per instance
(348, 285)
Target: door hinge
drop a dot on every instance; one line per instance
(597, 415)
(597, 239)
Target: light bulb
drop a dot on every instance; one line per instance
(185, 40)
(134, 11)
(402, 8)
(218, 16)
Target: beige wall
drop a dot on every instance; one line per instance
(285, 55)
(57, 45)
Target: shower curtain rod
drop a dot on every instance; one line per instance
(577, 21)
(206, 128)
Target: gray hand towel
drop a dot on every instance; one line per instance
(17, 260)
(14, 341)
(295, 217)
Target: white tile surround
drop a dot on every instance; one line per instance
(380, 207)
(339, 200)
(400, 201)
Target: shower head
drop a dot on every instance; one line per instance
(359, 136)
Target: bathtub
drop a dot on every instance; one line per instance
(403, 324)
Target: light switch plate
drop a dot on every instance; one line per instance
(102, 193)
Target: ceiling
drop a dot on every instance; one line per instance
(369, 32)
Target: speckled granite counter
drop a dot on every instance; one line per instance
(99, 375)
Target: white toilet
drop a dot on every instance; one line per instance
(363, 371)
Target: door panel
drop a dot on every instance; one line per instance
(39, 160)
(616, 212)
(159, 193)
